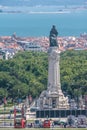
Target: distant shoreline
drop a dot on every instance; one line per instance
(37, 12)
(49, 12)
(43, 9)
(32, 12)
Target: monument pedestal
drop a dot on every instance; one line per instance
(53, 97)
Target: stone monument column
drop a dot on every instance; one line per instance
(53, 69)
(54, 85)
(54, 97)
(53, 62)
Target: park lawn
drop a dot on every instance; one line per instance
(44, 128)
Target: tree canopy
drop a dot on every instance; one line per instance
(27, 74)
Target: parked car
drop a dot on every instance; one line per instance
(72, 121)
(38, 124)
(82, 121)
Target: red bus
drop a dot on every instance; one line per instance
(19, 120)
(19, 123)
(46, 124)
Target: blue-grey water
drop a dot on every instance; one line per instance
(24, 24)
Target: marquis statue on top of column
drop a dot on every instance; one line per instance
(53, 37)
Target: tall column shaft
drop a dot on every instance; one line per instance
(54, 69)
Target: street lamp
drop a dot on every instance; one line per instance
(18, 97)
(5, 102)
